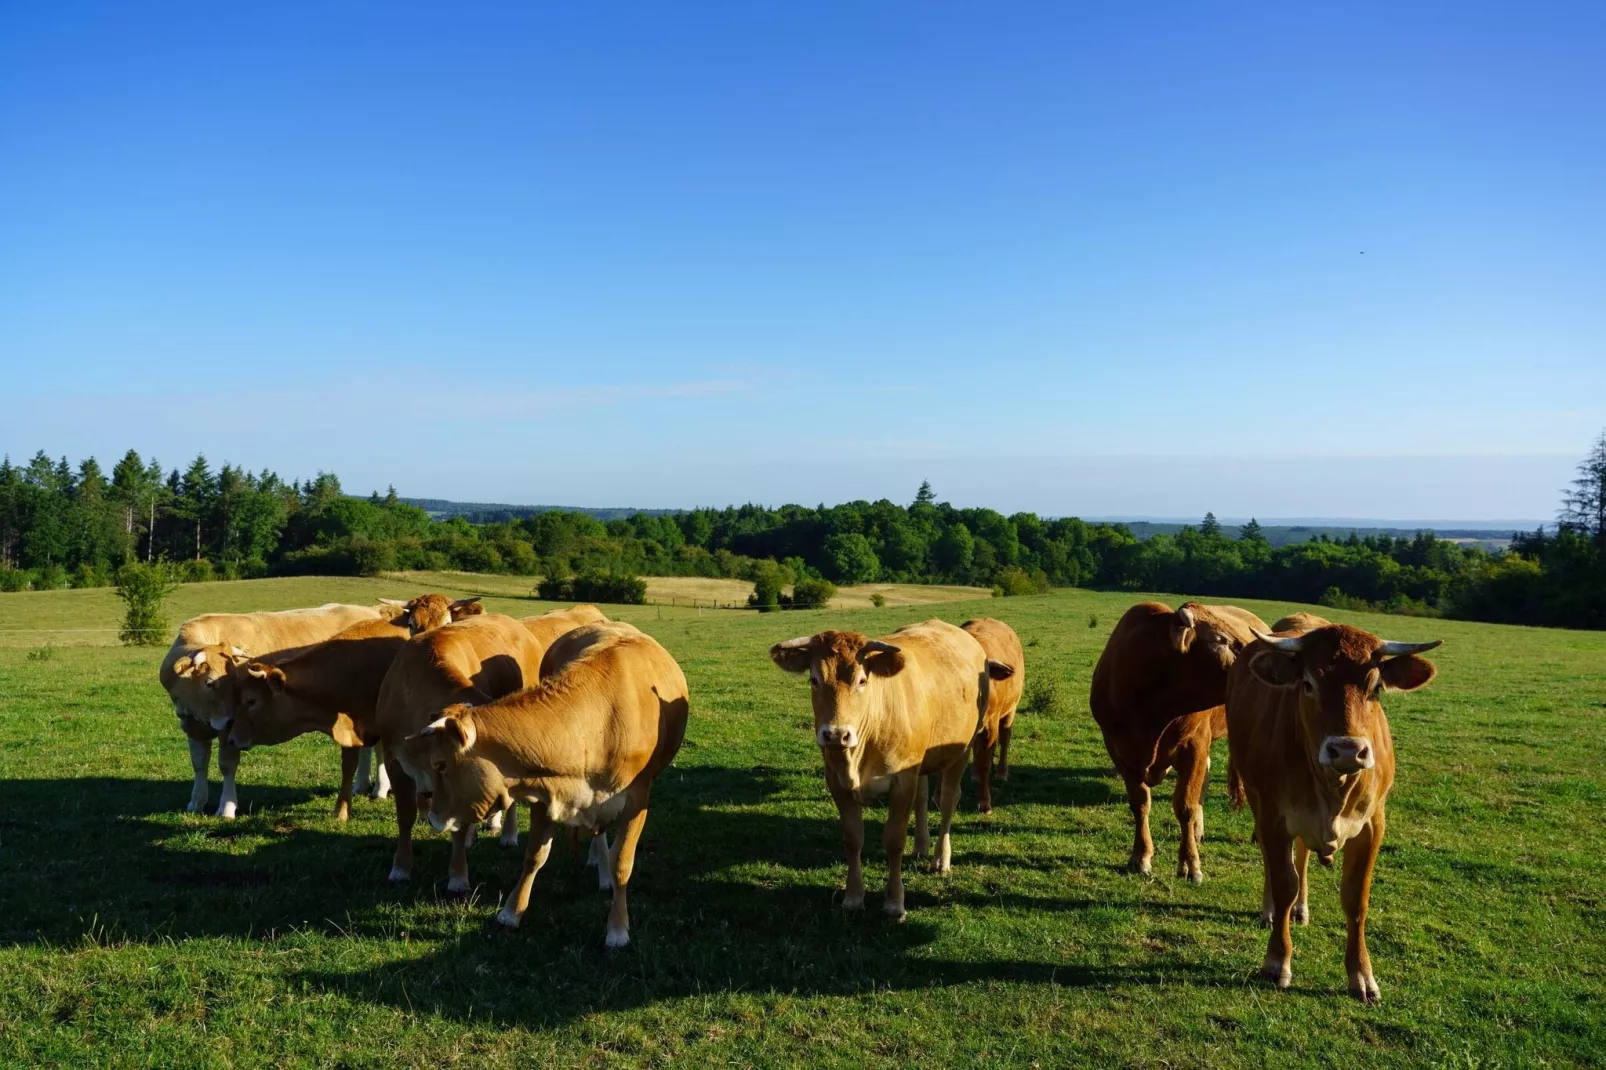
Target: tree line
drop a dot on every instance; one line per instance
(62, 526)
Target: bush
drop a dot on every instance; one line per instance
(1015, 580)
(42, 653)
(810, 593)
(595, 586)
(87, 575)
(766, 596)
(371, 558)
(15, 579)
(50, 578)
(1044, 696)
(1092, 620)
(1333, 598)
(143, 589)
(878, 600)
(197, 571)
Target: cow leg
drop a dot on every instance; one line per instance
(228, 760)
(852, 818)
(922, 818)
(981, 767)
(1360, 856)
(895, 837)
(406, 816)
(510, 826)
(362, 784)
(381, 786)
(1277, 854)
(1137, 797)
(350, 757)
(1006, 728)
(536, 850)
(457, 872)
(622, 860)
(947, 802)
(200, 760)
(598, 856)
(1302, 904)
(1192, 770)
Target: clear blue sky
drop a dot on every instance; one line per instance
(1280, 259)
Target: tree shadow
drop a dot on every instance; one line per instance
(1053, 786)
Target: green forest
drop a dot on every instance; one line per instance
(64, 526)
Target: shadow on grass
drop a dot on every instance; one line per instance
(1051, 786)
(111, 856)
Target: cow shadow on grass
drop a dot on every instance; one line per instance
(727, 895)
(1052, 786)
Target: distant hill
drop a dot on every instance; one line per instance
(497, 512)
(1486, 538)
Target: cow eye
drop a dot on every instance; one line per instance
(1310, 686)
(440, 767)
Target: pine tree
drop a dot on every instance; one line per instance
(1584, 508)
(925, 496)
(1251, 532)
(10, 512)
(195, 497)
(1209, 526)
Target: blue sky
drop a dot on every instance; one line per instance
(1264, 259)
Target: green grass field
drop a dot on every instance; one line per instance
(132, 933)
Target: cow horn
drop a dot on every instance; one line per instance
(468, 601)
(1185, 615)
(877, 646)
(1392, 649)
(794, 644)
(1289, 644)
(391, 602)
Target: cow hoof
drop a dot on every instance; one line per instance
(984, 808)
(226, 811)
(510, 838)
(1002, 774)
(1191, 874)
(895, 913)
(617, 937)
(1265, 919)
(942, 867)
(398, 875)
(506, 919)
(458, 888)
(343, 812)
(196, 806)
(604, 879)
(1277, 975)
(1301, 915)
(1364, 989)
(1141, 866)
(378, 793)
(852, 901)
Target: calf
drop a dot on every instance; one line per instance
(887, 714)
(1001, 644)
(473, 661)
(196, 673)
(581, 748)
(1157, 696)
(1311, 753)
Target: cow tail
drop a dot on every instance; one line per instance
(1235, 787)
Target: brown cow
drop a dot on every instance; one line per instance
(330, 687)
(195, 674)
(887, 714)
(433, 610)
(474, 661)
(1157, 696)
(1311, 753)
(549, 626)
(1001, 644)
(581, 748)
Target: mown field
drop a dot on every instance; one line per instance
(132, 933)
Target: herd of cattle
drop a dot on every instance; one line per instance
(575, 715)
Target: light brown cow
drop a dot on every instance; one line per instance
(1002, 645)
(1157, 696)
(1311, 753)
(195, 674)
(581, 748)
(887, 714)
(330, 687)
(549, 626)
(473, 661)
(433, 610)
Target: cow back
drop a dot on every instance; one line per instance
(1000, 643)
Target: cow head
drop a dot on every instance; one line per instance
(1341, 673)
(1209, 635)
(202, 683)
(430, 611)
(265, 709)
(842, 668)
(464, 787)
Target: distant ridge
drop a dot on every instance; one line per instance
(495, 512)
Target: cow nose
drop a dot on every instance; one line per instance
(838, 736)
(1347, 754)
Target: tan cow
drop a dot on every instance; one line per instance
(1311, 753)
(581, 748)
(1002, 645)
(195, 674)
(1157, 696)
(330, 687)
(473, 661)
(887, 714)
(548, 626)
(433, 610)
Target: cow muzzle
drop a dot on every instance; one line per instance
(1347, 754)
(837, 736)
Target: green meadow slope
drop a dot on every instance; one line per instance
(132, 933)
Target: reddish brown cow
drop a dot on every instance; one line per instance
(1311, 753)
(1002, 645)
(1157, 695)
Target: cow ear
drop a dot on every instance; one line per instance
(794, 655)
(463, 604)
(888, 662)
(183, 665)
(1275, 668)
(1182, 630)
(276, 679)
(1407, 673)
(997, 670)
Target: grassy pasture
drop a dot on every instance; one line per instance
(132, 933)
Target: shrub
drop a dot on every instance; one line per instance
(371, 558)
(15, 579)
(878, 600)
(810, 593)
(1044, 696)
(1092, 620)
(1014, 580)
(595, 586)
(88, 575)
(143, 589)
(1333, 598)
(766, 596)
(198, 571)
(42, 653)
(50, 578)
